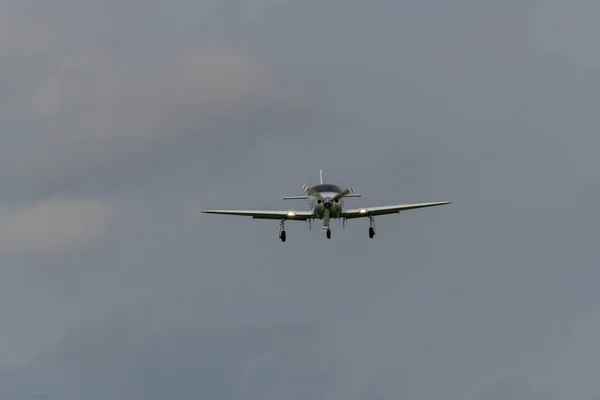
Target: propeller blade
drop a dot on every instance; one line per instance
(346, 192)
(326, 217)
(311, 192)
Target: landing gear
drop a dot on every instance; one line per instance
(282, 231)
(371, 227)
(328, 233)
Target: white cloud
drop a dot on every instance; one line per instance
(84, 113)
(54, 226)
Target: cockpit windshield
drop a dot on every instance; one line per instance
(327, 188)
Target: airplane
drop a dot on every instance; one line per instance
(326, 201)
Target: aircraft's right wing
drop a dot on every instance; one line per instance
(266, 214)
(382, 210)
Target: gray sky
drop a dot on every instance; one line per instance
(121, 120)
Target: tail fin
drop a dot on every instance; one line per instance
(321, 176)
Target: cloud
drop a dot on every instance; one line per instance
(139, 359)
(86, 115)
(474, 301)
(53, 226)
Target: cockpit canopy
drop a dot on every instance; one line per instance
(327, 188)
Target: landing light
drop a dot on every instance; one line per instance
(291, 214)
(363, 210)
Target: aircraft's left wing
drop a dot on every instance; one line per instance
(382, 210)
(266, 214)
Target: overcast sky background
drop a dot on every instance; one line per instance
(121, 120)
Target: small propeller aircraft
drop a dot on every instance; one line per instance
(326, 201)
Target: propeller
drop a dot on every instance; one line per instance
(345, 192)
(326, 217)
(327, 202)
(312, 192)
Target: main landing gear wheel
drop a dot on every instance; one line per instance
(328, 233)
(282, 230)
(371, 226)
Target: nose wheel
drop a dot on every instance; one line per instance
(328, 233)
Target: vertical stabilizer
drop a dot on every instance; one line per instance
(321, 176)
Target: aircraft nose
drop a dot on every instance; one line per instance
(327, 202)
